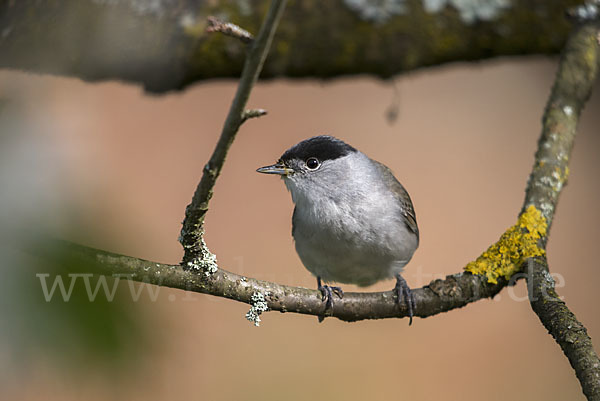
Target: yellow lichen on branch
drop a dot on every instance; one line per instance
(518, 243)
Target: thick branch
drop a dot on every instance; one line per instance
(577, 72)
(163, 45)
(439, 296)
(192, 230)
(576, 75)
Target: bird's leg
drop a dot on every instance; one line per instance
(327, 295)
(403, 291)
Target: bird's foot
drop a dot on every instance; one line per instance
(403, 292)
(327, 292)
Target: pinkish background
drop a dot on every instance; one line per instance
(126, 164)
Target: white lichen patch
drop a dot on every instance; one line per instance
(548, 278)
(547, 209)
(206, 262)
(552, 182)
(470, 10)
(568, 110)
(378, 11)
(258, 306)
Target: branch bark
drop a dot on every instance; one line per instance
(163, 45)
(570, 334)
(439, 296)
(576, 75)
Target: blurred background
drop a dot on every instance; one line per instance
(109, 167)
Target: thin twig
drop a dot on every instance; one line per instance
(252, 113)
(192, 230)
(229, 29)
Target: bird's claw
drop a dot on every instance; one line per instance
(327, 292)
(338, 291)
(403, 292)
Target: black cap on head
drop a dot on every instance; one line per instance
(323, 147)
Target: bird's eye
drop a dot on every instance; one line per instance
(312, 163)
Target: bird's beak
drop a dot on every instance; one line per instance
(277, 168)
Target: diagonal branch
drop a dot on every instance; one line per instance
(192, 230)
(577, 72)
(576, 75)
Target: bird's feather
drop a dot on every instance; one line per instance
(406, 206)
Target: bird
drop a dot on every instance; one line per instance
(353, 221)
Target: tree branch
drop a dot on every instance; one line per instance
(577, 72)
(439, 296)
(575, 78)
(562, 324)
(196, 252)
(163, 45)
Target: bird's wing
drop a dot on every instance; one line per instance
(406, 206)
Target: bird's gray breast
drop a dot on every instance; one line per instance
(352, 235)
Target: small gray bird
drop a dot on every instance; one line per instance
(353, 221)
